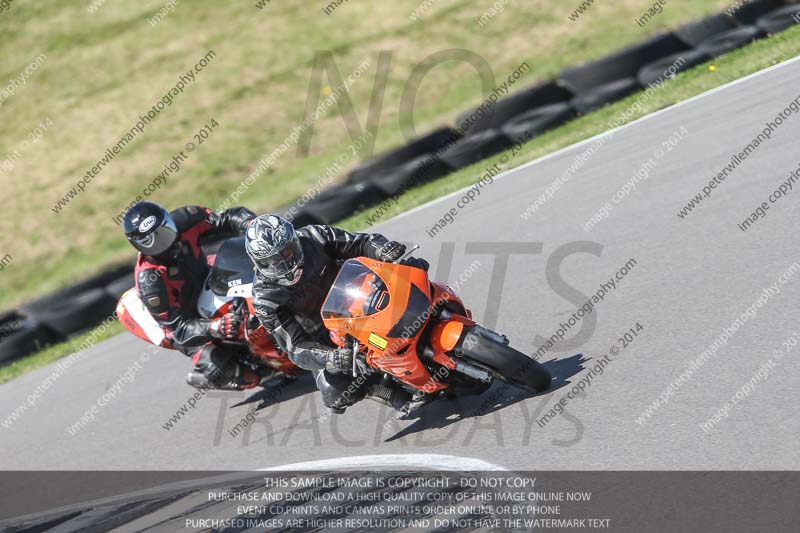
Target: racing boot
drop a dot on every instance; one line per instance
(338, 391)
(243, 379)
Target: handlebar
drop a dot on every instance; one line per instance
(409, 251)
(354, 347)
(239, 307)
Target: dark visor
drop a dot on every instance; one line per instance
(160, 240)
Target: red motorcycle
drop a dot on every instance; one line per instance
(227, 288)
(419, 333)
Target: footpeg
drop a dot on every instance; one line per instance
(267, 377)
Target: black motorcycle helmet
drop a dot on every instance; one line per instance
(151, 230)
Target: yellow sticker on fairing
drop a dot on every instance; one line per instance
(378, 341)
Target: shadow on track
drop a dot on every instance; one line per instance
(280, 391)
(441, 414)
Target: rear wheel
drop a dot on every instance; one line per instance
(506, 363)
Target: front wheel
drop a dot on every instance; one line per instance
(506, 363)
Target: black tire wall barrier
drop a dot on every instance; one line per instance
(520, 117)
(475, 147)
(728, 41)
(415, 172)
(514, 105)
(694, 33)
(403, 154)
(601, 95)
(339, 202)
(531, 123)
(657, 71)
(21, 335)
(620, 65)
(779, 20)
(751, 11)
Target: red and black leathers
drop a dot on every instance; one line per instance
(170, 286)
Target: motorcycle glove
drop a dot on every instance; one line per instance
(226, 327)
(339, 360)
(391, 251)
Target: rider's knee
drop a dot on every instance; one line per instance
(337, 390)
(215, 366)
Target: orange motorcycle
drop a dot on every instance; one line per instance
(418, 332)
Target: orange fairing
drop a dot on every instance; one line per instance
(385, 306)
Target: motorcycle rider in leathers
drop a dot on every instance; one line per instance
(170, 272)
(295, 271)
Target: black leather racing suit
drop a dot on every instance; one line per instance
(292, 312)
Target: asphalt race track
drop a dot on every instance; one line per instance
(692, 277)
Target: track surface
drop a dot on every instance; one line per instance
(693, 277)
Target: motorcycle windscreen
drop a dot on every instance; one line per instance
(232, 268)
(357, 292)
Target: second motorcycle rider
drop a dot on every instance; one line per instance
(170, 272)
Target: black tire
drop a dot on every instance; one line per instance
(21, 336)
(410, 151)
(698, 31)
(605, 94)
(658, 71)
(73, 312)
(624, 63)
(729, 41)
(513, 105)
(43, 305)
(474, 148)
(298, 216)
(9, 318)
(416, 172)
(342, 201)
(118, 287)
(526, 126)
(779, 20)
(98, 281)
(751, 11)
(304, 218)
(506, 363)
